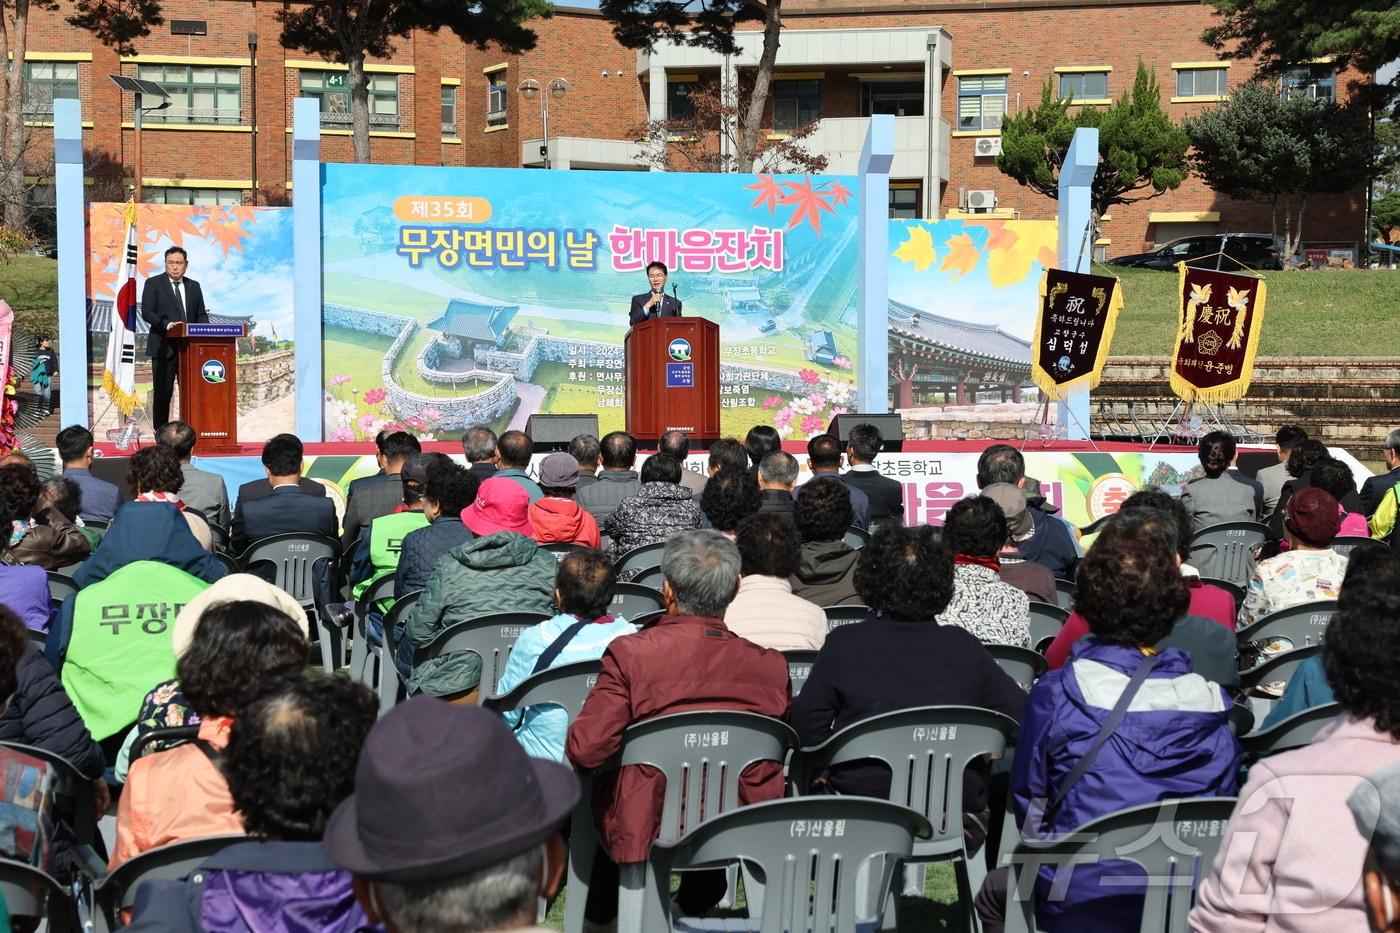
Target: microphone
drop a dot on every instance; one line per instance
(659, 294)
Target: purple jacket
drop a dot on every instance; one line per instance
(24, 590)
(1175, 741)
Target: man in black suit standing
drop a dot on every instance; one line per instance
(286, 508)
(655, 303)
(166, 299)
(886, 495)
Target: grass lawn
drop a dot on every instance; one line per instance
(29, 282)
(1308, 313)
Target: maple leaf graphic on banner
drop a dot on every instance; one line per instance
(840, 194)
(808, 204)
(171, 221)
(918, 249)
(770, 192)
(962, 255)
(224, 231)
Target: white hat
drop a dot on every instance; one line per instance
(233, 588)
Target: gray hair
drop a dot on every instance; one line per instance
(479, 443)
(486, 899)
(778, 468)
(585, 449)
(703, 570)
(1392, 440)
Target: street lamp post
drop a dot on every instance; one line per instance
(530, 89)
(141, 88)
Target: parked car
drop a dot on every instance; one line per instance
(1255, 250)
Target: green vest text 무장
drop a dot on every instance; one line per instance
(386, 534)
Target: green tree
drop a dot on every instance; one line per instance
(1385, 216)
(1262, 146)
(1142, 153)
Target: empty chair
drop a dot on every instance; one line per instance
(800, 661)
(810, 852)
(1175, 842)
(1297, 730)
(837, 616)
(490, 637)
(1024, 665)
(117, 891)
(1285, 630)
(632, 600)
(1228, 550)
(1046, 622)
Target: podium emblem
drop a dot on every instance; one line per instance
(212, 371)
(679, 350)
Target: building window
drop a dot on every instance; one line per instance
(449, 110)
(1316, 82)
(679, 106)
(1084, 85)
(1201, 82)
(203, 197)
(899, 98)
(981, 102)
(496, 98)
(332, 88)
(198, 94)
(904, 202)
(46, 82)
(796, 103)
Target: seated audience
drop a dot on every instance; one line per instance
(1216, 498)
(1173, 738)
(262, 488)
(154, 476)
(676, 444)
(289, 762)
(585, 450)
(202, 490)
(148, 531)
(237, 652)
(777, 474)
(660, 508)
(1300, 467)
(1209, 641)
(1030, 578)
(824, 460)
(165, 706)
(727, 452)
(581, 631)
(286, 508)
(483, 863)
(1050, 544)
(617, 482)
(731, 495)
(449, 489)
(1376, 489)
(513, 452)
(59, 492)
(886, 495)
(381, 494)
(1334, 477)
(1291, 849)
(900, 658)
(479, 446)
(24, 588)
(100, 498)
(1374, 806)
(1309, 570)
(42, 537)
(826, 564)
(380, 548)
(764, 610)
(997, 613)
(36, 709)
(761, 441)
(687, 660)
(555, 517)
(502, 569)
(1273, 477)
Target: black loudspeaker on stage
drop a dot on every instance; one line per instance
(554, 432)
(890, 427)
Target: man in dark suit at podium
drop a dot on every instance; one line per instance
(654, 303)
(166, 299)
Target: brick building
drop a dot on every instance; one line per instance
(948, 71)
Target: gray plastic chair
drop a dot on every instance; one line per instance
(1064, 594)
(1234, 589)
(60, 587)
(491, 637)
(837, 616)
(810, 852)
(1024, 665)
(1278, 669)
(1303, 625)
(702, 754)
(1347, 545)
(172, 862)
(632, 601)
(1046, 621)
(389, 680)
(561, 550)
(564, 686)
(146, 743)
(295, 560)
(29, 892)
(1227, 550)
(856, 538)
(800, 661)
(927, 749)
(642, 565)
(365, 657)
(1175, 841)
(1294, 732)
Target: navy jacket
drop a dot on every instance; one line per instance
(421, 549)
(288, 509)
(40, 714)
(1051, 546)
(860, 502)
(886, 495)
(99, 497)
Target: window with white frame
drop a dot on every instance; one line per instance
(1315, 82)
(1201, 82)
(204, 197)
(46, 82)
(198, 94)
(332, 89)
(1084, 85)
(981, 102)
(497, 98)
(449, 110)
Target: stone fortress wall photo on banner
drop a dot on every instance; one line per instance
(242, 259)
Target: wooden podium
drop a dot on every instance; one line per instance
(673, 378)
(209, 382)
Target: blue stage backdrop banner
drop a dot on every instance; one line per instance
(458, 296)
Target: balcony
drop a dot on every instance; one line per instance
(231, 116)
(842, 138)
(334, 120)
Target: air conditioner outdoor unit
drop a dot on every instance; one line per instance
(983, 199)
(989, 146)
